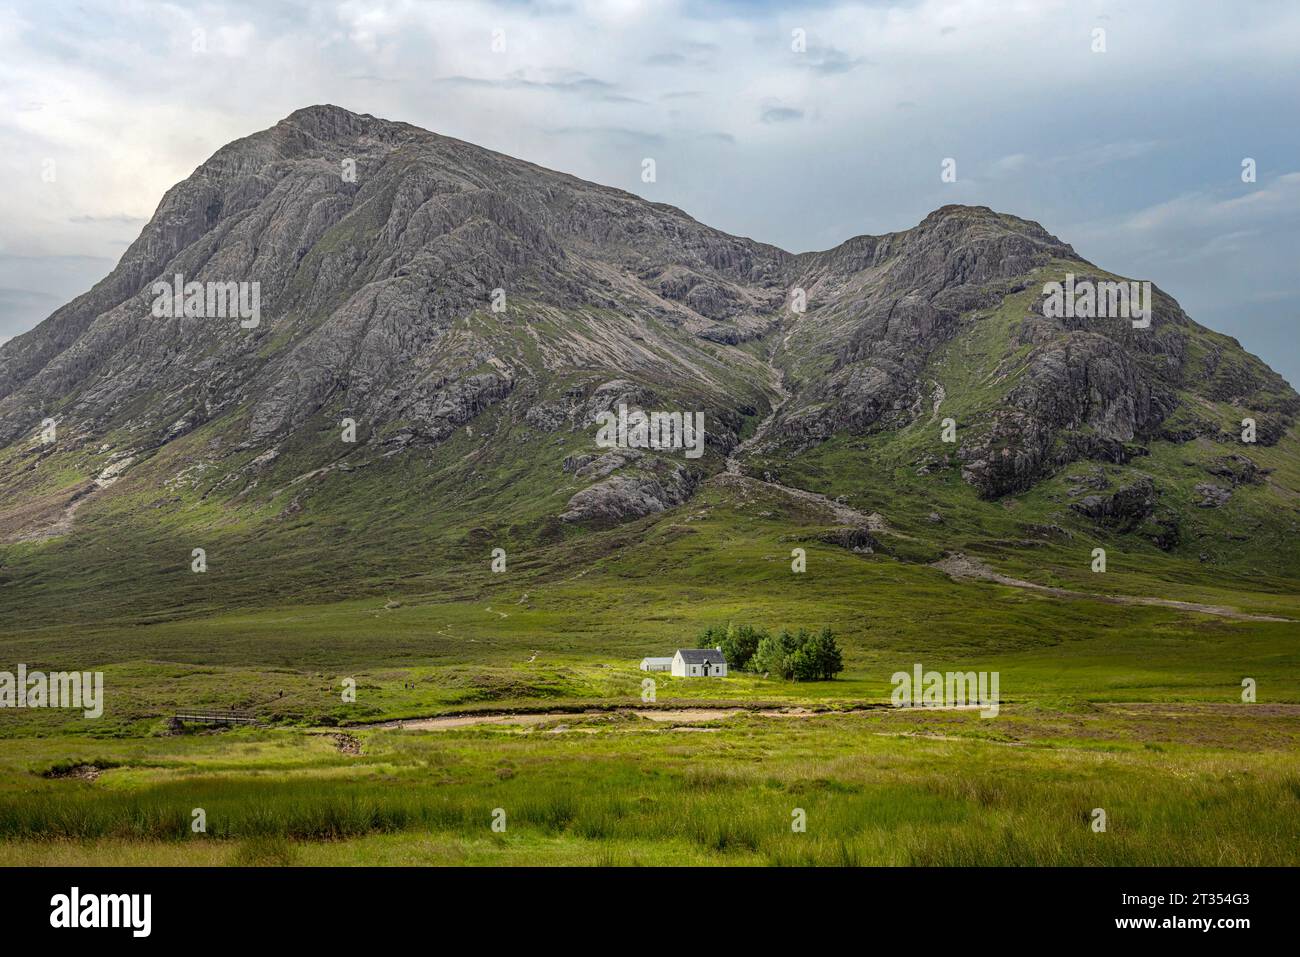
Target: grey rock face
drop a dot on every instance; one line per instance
(446, 284)
(1125, 510)
(1081, 387)
(547, 416)
(883, 305)
(1238, 470)
(621, 497)
(606, 464)
(572, 463)
(858, 540)
(366, 287)
(1212, 496)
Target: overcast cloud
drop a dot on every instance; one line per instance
(1132, 155)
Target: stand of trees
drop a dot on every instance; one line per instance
(797, 656)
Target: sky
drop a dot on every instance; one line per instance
(1121, 127)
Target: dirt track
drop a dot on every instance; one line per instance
(665, 715)
(959, 567)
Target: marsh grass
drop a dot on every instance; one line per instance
(628, 796)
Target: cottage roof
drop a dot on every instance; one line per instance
(698, 656)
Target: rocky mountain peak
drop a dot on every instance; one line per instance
(417, 285)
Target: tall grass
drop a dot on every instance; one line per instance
(979, 815)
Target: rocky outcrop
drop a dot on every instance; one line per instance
(1080, 396)
(855, 539)
(1125, 510)
(651, 488)
(1237, 469)
(547, 416)
(885, 304)
(1211, 495)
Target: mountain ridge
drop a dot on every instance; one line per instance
(378, 308)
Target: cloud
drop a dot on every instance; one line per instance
(780, 114)
(611, 133)
(1080, 160)
(1105, 153)
(827, 59)
(573, 83)
(1010, 163)
(1204, 210)
(116, 219)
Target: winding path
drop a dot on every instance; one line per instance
(961, 567)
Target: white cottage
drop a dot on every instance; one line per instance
(699, 663)
(656, 664)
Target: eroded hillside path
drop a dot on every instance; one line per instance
(962, 567)
(844, 514)
(776, 379)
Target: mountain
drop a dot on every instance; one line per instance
(470, 315)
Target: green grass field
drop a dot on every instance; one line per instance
(1134, 710)
(1218, 785)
